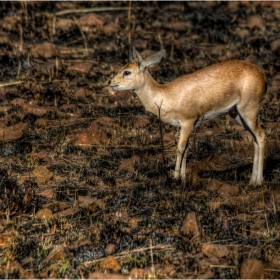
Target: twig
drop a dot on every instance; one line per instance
(100, 9)
(162, 146)
(125, 253)
(83, 35)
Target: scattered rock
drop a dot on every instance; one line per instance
(213, 205)
(252, 269)
(119, 96)
(68, 212)
(95, 134)
(215, 250)
(99, 275)
(41, 122)
(276, 260)
(58, 253)
(138, 273)
(213, 185)
(247, 136)
(91, 19)
(45, 50)
(111, 264)
(274, 45)
(42, 174)
(190, 226)
(110, 249)
(9, 135)
(44, 213)
(133, 223)
(142, 122)
(83, 92)
(49, 193)
(110, 29)
(7, 237)
(128, 164)
(228, 190)
(256, 21)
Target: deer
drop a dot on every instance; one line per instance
(235, 87)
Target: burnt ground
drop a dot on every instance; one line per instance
(82, 173)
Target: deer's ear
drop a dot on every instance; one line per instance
(136, 56)
(152, 60)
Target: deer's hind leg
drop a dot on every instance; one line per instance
(248, 117)
(180, 167)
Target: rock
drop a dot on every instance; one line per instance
(58, 253)
(110, 29)
(215, 250)
(252, 269)
(45, 50)
(99, 275)
(256, 21)
(82, 92)
(9, 135)
(68, 212)
(276, 260)
(133, 223)
(44, 213)
(95, 134)
(138, 273)
(213, 205)
(213, 185)
(190, 226)
(85, 201)
(142, 122)
(41, 174)
(110, 249)
(128, 164)
(7, 237)
(274, 45)
(247, 136)
(111, 264)
(49, 193)
(91, 19)
(228, 190)
(41, 122)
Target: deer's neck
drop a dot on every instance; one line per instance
(149, 94)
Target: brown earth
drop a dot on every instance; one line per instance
(83, 190)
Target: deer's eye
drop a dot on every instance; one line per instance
(126, 73)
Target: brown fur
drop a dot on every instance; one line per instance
(231, 86)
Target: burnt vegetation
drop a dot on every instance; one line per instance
(81, 166)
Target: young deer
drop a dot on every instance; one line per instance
(235, 87)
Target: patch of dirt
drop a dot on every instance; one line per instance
(83, 190)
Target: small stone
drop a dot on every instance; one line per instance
(82, 92)
(44, 213)
(68, 212)
(252, 269)
(110, 249)
(215, 250)
(42, 174)
(49, 193)
(276, 260)
(111, 263)
(128, 164)
(190, 226)
(7, 237)
(228, 190)
(213, 205)
(256, 21)
(247, 136)
(41, 122)
(100, 275)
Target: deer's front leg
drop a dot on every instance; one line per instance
(180, 167)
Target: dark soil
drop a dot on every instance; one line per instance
(81, 166)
